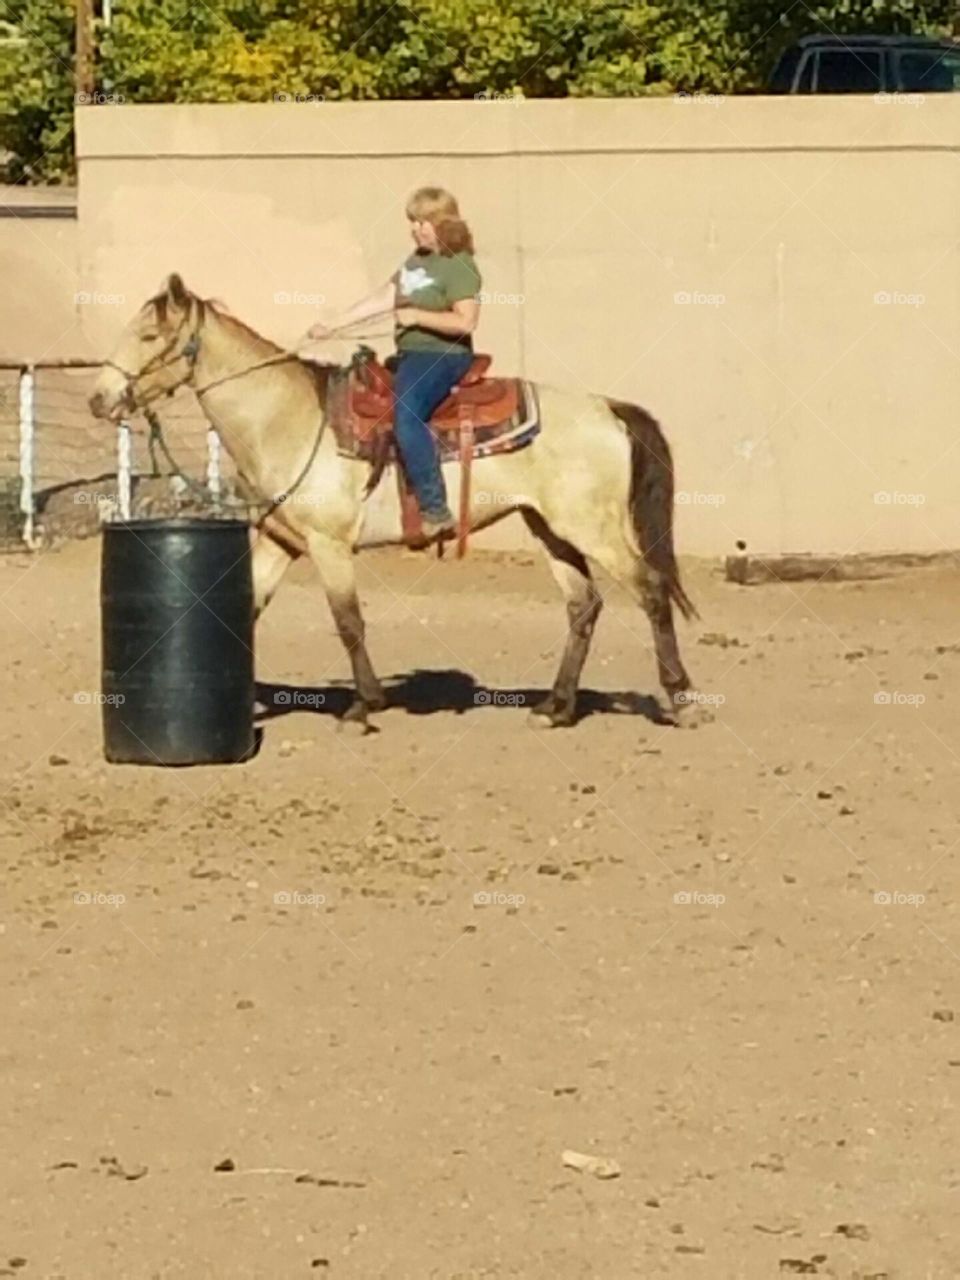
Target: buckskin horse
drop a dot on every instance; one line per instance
(592, 477)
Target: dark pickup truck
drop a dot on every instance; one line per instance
(867, 64)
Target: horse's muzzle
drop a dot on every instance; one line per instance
(97, 403)
(103, 404)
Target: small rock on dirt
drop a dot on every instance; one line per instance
(116, 1170)
(599, 1166)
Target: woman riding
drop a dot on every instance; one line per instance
(434, 298)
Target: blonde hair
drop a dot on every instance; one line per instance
(439, 207)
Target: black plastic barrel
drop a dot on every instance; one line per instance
(176, 606)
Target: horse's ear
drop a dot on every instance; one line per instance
(176, 290)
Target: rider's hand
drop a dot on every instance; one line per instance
(317, 331)
(407, 316)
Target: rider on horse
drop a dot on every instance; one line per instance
(434, 298)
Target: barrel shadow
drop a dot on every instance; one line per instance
(423, 693)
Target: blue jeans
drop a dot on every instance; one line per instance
(422, 381)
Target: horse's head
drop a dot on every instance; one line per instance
(155, 355)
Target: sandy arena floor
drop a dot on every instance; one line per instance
(202, 1080)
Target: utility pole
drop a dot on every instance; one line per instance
(84, 51)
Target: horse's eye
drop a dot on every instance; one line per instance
(149, 337)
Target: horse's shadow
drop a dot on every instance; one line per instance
(422, 693)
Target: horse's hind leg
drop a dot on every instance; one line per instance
(651, 591)
(334, 561)
(655, 598)
(584, 603)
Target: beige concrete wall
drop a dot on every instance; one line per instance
(39, 315)
(791, 395)
(45, 315)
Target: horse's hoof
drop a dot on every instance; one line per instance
(354, 720)
(549, 716)
(689, 714)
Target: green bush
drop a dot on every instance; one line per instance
(253, 50)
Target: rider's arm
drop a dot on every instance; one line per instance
(376, 303)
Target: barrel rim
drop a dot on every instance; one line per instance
(179, 523)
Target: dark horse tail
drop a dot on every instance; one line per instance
(651, 499)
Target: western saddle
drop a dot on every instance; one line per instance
(476, 400)
(481, 415)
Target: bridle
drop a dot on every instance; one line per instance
(190, 352)
(191, 349)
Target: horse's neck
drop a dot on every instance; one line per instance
(252, 400)
(228, 359)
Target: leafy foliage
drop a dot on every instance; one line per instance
(257, 50)
(36, 123)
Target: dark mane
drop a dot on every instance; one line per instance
(159, 304)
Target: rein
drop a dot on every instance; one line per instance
(268, 507)
(190, 352)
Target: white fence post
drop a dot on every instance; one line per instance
(213, 465)
(123, 469)
(28, 410)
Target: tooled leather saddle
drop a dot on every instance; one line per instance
(481, 416)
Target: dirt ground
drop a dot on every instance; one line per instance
(258, 1024)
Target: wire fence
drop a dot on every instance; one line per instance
(62, 471)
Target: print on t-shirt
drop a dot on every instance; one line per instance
(414, 278)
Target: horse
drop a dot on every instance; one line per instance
(595, 484)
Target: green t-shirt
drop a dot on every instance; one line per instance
(435, 281)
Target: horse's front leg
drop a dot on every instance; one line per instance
(270, 559)
(334, 561)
